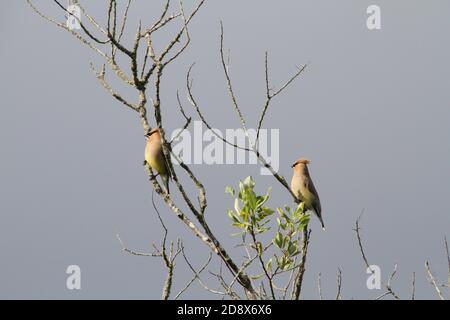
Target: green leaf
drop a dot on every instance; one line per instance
(283, 214)
(289, 264)
(233, 216)
(292, 248)
(264, 213)
(304, 220)
(249, 182)
(279, 221)
(229, 190)
(238, 225)
(269, 265)
(280, 211)
(262, 230)
(241, 186)
(256, 277)
(286, 240)
(267, 211)
(281, 261)
(278, 240)
(236, 207)
(251, 196)
(261, 200)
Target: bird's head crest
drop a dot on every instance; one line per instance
(302, 161)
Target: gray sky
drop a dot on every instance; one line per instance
(371, 112)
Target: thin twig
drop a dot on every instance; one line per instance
(388, 285)
(296, 292)
(433, 281)
(86, 31)
(266, 272)
(269, 95)
(289, 281)
(196, 275)
(319, 286)
(383, 295)
(194, 103)
(448, 262)
(339, 285)
(188, 120)
(363, 254)
(136, 253)
(228, 289)
(357, 230)
(101, 77)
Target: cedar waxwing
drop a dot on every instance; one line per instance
(303, 188)
(154, 156)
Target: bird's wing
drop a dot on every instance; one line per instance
(169, 172)
(316, 202)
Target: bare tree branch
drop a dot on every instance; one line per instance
(361, 249)
(339, 285)
(158, 22)
(195, 277)
(357, 229)
(448, 262)
(168, 257)
(302, 268)
(179, 34)
(228, 288)
(63, 26)
(194, 103)
(433, 281)
(124, 20)
(269, 95)
(319, 285)
(188, 120)
(388, 285)
(101, 77)
(263, 266)
(86, 31)
(289, 281)
(198, 276)
(134, 252)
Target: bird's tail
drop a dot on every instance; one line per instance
(321, 221)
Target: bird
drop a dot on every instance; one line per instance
(303, 188)
(155, 158)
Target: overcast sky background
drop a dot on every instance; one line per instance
(371, 112)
